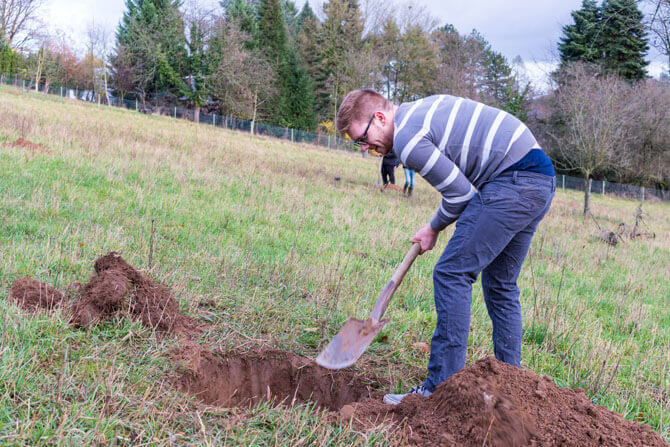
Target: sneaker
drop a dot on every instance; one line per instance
(395, 399)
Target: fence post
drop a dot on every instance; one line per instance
(136, 108)
(214, 119)
(563, 182)
(642, 193)
(61, 92)
(24, 85)
(175, 113)
(328, 141)
(292, 135)
(604, 181)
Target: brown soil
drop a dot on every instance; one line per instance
(235, 380)
(114, 287)
(493, 403)
(26, 144)
(33, 295)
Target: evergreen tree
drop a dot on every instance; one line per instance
(151, 34)
(340, 34)
(9, 60)
(245, 16)
(623, 39)
(579, 41)
(294, 100)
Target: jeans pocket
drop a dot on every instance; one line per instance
(498, 192)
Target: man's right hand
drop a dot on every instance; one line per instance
(427, 237)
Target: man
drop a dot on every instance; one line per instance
(494, 179)
(389, 163)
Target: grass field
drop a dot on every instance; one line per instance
(285, 252)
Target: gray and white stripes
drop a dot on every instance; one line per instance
(457, 145)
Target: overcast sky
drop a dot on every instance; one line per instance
(526, 28)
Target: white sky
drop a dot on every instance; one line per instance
(526, 28)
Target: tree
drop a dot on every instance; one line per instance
(579, 41)
(9, 60)
(245, 16)
(659, 26)
(242, 80)
(97, 53)
(623, 39)
(590, 116)
(200, 32)
(152, 34)
(17, 18)
(340, 35)
(461, 67)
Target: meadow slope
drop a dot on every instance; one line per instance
(273, 245)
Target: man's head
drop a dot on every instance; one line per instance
(368, 119)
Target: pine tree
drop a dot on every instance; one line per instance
(151, 37)
(9, 60)
(579, 41)
(244, 14)
(623, 39)
(340, 34)
(293, 103)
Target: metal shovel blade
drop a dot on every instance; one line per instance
(352, 340)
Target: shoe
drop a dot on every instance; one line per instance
(404, 189)
(409, 191)
(395, 399)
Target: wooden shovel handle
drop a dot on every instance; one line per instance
(391, 286)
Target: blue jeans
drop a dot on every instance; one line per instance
(409, 177)
(492, 236)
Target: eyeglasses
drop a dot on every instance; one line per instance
(362, 140)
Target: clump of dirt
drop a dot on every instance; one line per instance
(115, 286)
(26, 144)
(34, 295)
(244, 379)
(493, 403)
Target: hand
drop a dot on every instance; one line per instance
(427, 237)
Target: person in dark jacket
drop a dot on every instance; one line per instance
(389, 163)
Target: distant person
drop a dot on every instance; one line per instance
(389, 163)
(409, 182)
(494, 178)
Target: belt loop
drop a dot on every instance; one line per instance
(514, 177)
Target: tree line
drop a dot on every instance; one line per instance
(285, 64)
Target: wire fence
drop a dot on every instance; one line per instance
(300, 136)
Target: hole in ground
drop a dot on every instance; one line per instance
(242, 380)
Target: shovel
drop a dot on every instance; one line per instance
(356, 335)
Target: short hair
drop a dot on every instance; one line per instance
(359, 105)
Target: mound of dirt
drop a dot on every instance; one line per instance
(244, 379)
(114, 287)
(26, 144)
(33, 295)
(493, 403)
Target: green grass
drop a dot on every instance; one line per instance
(261, 227)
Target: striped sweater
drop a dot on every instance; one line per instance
(457, 145)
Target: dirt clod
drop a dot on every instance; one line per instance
(26, 144)
(33, 295)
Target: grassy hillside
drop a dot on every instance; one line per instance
(284, 252)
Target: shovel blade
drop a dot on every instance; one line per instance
(348, 345)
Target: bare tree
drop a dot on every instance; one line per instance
(650, 130)
(98, 44)
(17, 18)
(243, 81)
(592, 119)
(659, 26)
